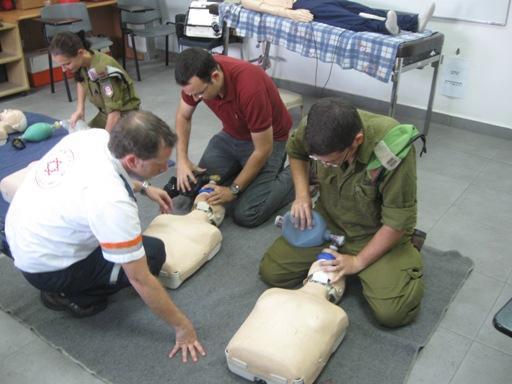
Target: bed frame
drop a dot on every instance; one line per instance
(416, 51)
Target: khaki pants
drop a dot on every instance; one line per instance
(392, 286)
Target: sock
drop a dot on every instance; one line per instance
(391, 23)
(424, 18)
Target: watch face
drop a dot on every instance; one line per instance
(235, 189)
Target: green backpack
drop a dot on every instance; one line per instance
(392, 149)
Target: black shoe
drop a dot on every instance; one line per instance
(59, 302)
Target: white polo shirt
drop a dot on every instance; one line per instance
(73, 201)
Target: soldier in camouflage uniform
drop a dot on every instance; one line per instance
(99, 77)
(377, 215)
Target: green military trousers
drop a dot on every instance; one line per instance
(392, 286)
(98, 121)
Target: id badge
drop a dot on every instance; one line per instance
(108, 90)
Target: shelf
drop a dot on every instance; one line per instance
(6, 27)
(6, 57)
(12, 61)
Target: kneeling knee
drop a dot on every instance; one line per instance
(272, 274)
(392, 316)
(247, 219)
(267, 272)
(392, 319)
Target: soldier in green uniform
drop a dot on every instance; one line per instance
(99, 77)
(375, 211)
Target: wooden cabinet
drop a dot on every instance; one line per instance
(12, 62)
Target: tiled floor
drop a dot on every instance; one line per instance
(465, 203)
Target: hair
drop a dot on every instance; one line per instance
(68, 43)
(194, 62)
(332, 125)
(140, 133)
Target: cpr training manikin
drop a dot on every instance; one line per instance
(180, 234)
(290, 334)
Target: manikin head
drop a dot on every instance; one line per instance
(213, 213)
(321, 282)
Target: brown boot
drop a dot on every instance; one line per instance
(418, 239)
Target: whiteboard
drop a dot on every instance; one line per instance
(481, 11)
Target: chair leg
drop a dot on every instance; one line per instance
(166, 50)
(50, 65)
(136, 57)
(66, 83)
(123, 50)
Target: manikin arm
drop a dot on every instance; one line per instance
(281, 8)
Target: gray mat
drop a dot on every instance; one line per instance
(127, 344)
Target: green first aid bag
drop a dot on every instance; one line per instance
(36, 132)
(394, 146)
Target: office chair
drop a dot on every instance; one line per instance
(143, 18)
(76, 11)
(180, 21)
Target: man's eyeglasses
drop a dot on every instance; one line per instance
(332, 163)
(198, 95)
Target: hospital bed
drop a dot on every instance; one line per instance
(380, 56)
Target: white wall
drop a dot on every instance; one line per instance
(487, 48)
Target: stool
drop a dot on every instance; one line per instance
(291, 100)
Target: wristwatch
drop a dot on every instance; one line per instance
(144, 187)
(234, 189)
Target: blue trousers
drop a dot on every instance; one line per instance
(270, 190)
(345, 14)
(93, 279)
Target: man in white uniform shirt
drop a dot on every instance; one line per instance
(73, 226)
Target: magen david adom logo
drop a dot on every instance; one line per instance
(52, 168)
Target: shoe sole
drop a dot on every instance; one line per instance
(51, 305)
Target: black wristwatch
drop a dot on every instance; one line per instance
(144, 187)
(234, 189)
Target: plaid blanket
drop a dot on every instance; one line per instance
(367, 52)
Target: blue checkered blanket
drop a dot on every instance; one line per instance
(367, 52)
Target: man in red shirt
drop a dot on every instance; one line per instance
(249, 153)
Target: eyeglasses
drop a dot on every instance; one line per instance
(198, 95)
(332, 163)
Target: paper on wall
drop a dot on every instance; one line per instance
(454, 78)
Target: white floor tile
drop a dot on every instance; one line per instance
(484, 365)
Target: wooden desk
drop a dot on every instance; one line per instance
(104, 19)
(17, 15)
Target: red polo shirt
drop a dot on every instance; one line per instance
(251, 102)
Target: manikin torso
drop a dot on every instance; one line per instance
(289, 334)
(190, 240)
